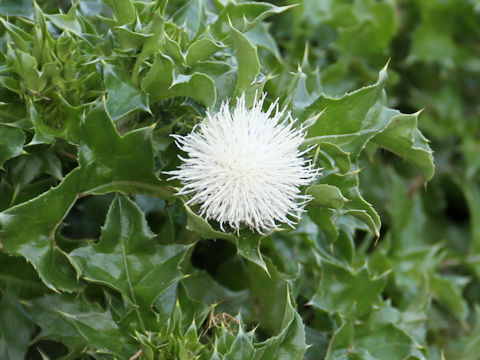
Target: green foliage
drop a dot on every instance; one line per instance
(381, 266)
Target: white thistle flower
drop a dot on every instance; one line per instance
(245, 167)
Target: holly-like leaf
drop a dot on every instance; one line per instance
(323, 218)
(160, 83)
(201, 50)
(11, 142)
(158, 78)
(26, 66)
(365, 117)
(67, 21)
(327, 196)
(26, 168)
(248, 65)
(68, 126)
(354, 205)
(108, 163)
(197, 86)
(260, 36)
(247, 243)
(248, 246)
(289, 344)
(403, 138)
(270, 292)
(362, 112)
(201, 226)
(192, 16)
(123, 97)
(127, 259)
(242, 347)
(369, 341)
(225, 299)
(77, 323)
(124, 11)
(344, 290)
(244, 16)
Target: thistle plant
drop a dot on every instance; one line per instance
(132, 132)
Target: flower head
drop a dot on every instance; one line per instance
(244, 167)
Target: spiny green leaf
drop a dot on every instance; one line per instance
(68, 126)
(289, 344)
(25, 168)
(159, 77)
(371, 342)
(26, 67)
(340, 344)
(197, 86)
(327, 196)
(171, 48)
(244, 16)
(344, 290)
(352, 108)
(192, 16)
(242, 348)
(355, 205)
(130, 40)
(203, 228)
(127, 259)
(323, 218)
(341, 159)
(193, 311)
(67, 21)
(160, 83)
(365, 117)
(151, 45)
(248, 65)
(270, 291)
(46, 312)
(218, 295)
(124, 11)
(21, 38)
(248, 246)
(123, 97)
(260, 36)
(387, 342)
(77, 323)
(201, 50)
(403, 138)
(105, 166)
(11, 142)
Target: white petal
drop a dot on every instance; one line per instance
(244, 167)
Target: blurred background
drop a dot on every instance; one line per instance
(433, 49)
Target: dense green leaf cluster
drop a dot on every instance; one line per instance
(100, 260)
